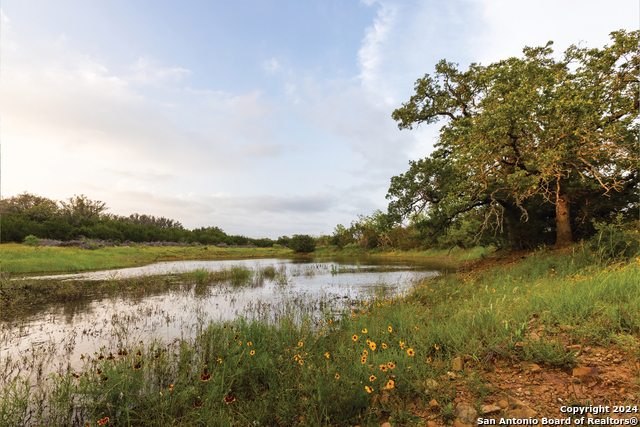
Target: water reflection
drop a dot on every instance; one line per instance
(61, 333)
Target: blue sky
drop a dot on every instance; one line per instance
(264, 118)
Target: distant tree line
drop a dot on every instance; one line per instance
(28, 214)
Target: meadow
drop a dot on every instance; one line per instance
(19, 259)
(375, 362)
(22, 259)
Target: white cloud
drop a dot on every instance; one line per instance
(512, 25)
(272, 65)
(315, 203)
(371, 55)
(261, 150)
(155, 137)
(75, 103)
(145, 71)
(290, 91)
(70, 125)
(7, 35)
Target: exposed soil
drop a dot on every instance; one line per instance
(603, 376)
(505, 388)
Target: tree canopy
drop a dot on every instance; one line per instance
(524, 135)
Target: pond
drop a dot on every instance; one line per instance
(55, 338)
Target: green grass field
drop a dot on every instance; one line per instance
(22, 259)
(454, 255)
(255, 373)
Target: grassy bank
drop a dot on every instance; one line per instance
(377, 362)
(454, 255)
(19, 259)
(16, 258)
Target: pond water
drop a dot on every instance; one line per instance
(55, 338)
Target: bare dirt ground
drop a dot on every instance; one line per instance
(507, 389)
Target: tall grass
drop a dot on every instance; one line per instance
(298, 371)
(452, 255)
(236, 275)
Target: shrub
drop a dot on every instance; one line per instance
(302, 243)
(615, 241)
(31, 240)
(269, 272)
(277, 246)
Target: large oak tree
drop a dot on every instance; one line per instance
(526, 129)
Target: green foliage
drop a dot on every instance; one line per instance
(79, 210)
(615, 241)
(34, 207)
(524, 133)
(269, 272)
(27, 214)
(283, 240)
(302, 243)
(277, 246)
(200, 276)
(324, 240)
(240, 275)
(31, 240)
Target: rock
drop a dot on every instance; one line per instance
(582, 371)
(434, 405)
(375, 401)
(531, 368)
(431, 384)
(488, 409)
(518, 409)
(514, 407)
(466, 413)
(431, 423)
(457, 364)
(418, 402)
(386, 425)
(458, 423)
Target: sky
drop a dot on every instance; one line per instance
(263, 118)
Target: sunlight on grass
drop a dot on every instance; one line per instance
(17, 258)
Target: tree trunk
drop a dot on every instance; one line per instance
(510, 221)
(563, 218)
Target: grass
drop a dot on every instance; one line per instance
(20, 297)
(21, 259)
(18, 259)
(453, 255)
(298, 373)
